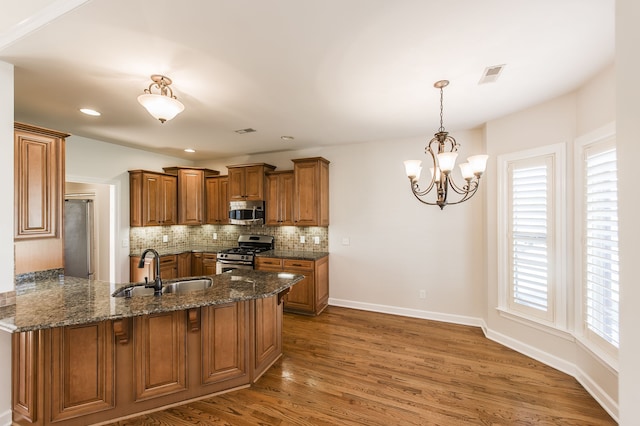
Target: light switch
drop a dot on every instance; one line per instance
(346, 241)
(316, 240)
(125, 242)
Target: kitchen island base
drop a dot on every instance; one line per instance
(103, 371)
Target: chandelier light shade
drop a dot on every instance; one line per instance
(163, 105)
(443, 152)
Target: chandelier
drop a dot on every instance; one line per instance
(443, 150)
(164, 105)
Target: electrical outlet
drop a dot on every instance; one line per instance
(215, 235)
(346, 241)
(316, 240)
(302, 239)
(165, 238)
(422, 294)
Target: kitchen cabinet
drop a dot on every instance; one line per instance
(153, 199)
(191, 193)
(184, 264)
(311, 192)
(159, 359)
(246, 181)
(309, 296)
(38, 197)
(217, 198)
(97, 372)
(225, 342)
(168, 268)
(266, 324)
(279, 198)
(208, 264)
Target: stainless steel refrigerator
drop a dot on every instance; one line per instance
(78, 238)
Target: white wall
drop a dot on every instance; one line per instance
(560, 120)
(6, 231)
(398, 246)
(90, 160)
(628, 133)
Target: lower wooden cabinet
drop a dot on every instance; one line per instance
(93, 373)
(159, 360)
(309, 296)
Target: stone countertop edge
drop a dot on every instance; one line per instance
(294, 254)
(74, 301)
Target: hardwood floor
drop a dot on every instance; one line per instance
(349, 367)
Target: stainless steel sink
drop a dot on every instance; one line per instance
(185, 286)
(182, 286)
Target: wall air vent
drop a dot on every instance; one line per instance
(243, 131)
(491, 74)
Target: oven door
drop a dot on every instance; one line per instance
(225, 266)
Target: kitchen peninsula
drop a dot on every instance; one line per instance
(81, 356)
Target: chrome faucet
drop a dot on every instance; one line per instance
(157, 282)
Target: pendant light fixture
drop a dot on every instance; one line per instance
(443, 150)
(163, 105)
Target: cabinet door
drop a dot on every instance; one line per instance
(26, 374)
(82, 370)
(168, 204)
(279, 198)
(254, 183)
(224, 342)
(217, 211)
(268, 337)
(184, 265)
(223, 201)
(311, 192)
(159, 365)
(191, 197)
(268, 264)
(209, 264)
(236, 184)
(301, 297)
(196, 264)
(39, 180)
(168, 267)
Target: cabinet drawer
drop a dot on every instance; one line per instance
(262, 261)
(167, 259)
(298, 264)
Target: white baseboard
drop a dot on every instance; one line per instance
(406, 312)
(6, 418)
(609, 404)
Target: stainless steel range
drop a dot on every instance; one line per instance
(243, 256)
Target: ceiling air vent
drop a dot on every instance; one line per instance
(491, 74)
(243, 131)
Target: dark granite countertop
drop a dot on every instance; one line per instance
(63, 301)
(292, 254)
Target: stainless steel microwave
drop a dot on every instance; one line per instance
(246, 212)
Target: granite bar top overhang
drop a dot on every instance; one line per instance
(71, 301)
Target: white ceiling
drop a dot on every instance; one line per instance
(324, 71)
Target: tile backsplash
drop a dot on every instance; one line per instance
(182, 237)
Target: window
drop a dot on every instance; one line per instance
(531, 243)
(598, 259)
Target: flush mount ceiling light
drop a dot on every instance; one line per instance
(287, 138)
(444, 151)
(189, 150)
(163, 105)
(91, 112)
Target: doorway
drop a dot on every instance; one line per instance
(100, 196)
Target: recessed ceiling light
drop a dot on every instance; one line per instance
(287, 138)
(189, 150)
(90, 111)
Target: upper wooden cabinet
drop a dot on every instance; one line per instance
(39, 181)
(152, 198)
(279, 198)
(246, 182)
(217, 200)
(191, 193)
(311, 192)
